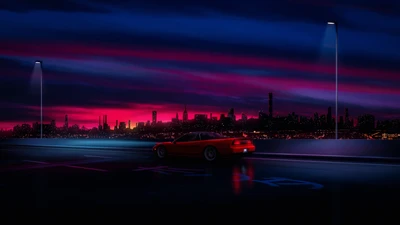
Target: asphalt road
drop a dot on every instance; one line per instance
(321, 192)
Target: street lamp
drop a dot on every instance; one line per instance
(39, 63)
(336, 102)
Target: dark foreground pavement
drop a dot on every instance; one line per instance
(135, 184)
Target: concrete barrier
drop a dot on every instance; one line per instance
(331, 147)
(326, 147)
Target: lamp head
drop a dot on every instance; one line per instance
(331, 23)
(38, 62)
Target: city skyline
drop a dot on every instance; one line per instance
(154, 117)
(125, 61)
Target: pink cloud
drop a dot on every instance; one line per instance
(77, 51)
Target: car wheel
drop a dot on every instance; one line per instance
(161, 152)
(210, 153)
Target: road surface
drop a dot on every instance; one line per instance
(37, 178)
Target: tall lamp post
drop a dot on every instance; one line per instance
(39, 63)
(336, 78)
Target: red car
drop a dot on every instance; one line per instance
(208, 145)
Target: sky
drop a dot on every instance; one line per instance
(126, 59)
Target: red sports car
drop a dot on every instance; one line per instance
(209, 145)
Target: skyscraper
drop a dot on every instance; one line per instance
(105, 124)
(129, 124)
(270, 104)
(346, 116)
(185, 115)
(154, 117)
(122, 126)
(66, 122)
(231, 114)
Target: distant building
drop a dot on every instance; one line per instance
(185, 115)
(100, 127)
(329, 117)
(154, 117)
(122, 126)
(106, 127)
(366, 123)
(231, 114)
(244, 118)
(270, 96)
(200, 116)
(262, 115)
(66, 122)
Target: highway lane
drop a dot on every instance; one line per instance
(42, 178)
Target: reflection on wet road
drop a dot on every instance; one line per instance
(45, 177)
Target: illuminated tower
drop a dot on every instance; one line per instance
(270, 104)
(185, 115)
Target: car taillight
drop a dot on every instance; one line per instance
(241, 142)
(236, 142)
